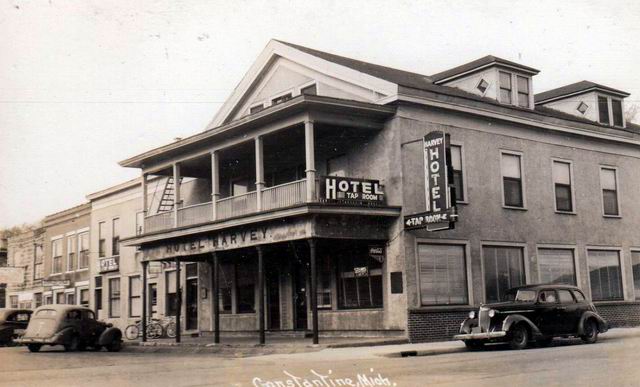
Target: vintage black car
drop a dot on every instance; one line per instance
(13, 322)
(74, 327)
(533, 313)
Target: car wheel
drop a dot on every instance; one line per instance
(72, 345)
(34, 347)
(474, 345)
(115, 346)
(519, 337)
(590, 335)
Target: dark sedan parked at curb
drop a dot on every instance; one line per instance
(13, 322)
(74, 327)
(533, 313)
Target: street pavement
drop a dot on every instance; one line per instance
(613, 361)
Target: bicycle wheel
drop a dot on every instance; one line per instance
(154, 330)
(132, 332)
(171, 330)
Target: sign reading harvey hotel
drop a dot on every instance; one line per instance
(436, 184)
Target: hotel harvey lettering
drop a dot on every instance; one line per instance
(337, 189)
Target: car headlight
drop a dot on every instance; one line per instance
(492, 313)
(472, 314)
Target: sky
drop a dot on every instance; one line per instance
(85, 84)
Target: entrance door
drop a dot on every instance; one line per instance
(192, 304)
(273, 299)
(152, 295)
(300, 296)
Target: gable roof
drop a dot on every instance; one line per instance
(478, 64)
(576, 88)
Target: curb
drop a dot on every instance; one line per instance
(425, 352)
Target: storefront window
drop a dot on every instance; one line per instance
(135, 303)
(635, 261)
(60, 298)
(84, 297)
(224, 287)
(245, 288)
(324, 283)
(359, 281)
(556, 266)
(114, 297)
(37, 300)
(172, 298)
(443, 274)
(605, 276)
(98, 292)
(503, 270)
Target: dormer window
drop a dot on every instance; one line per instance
(523, 91)
(582, 107)
(281, 99)
(256, 108)
(505, 87)
(610, 110)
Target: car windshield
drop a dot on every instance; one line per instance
(520, 295)
(46, 313)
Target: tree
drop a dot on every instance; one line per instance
(631, 113)
(15, 230)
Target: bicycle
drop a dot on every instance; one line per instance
(169, 326)
(154, 330)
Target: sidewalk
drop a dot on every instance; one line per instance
(329, 348)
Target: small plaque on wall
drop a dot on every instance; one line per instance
(396, 282)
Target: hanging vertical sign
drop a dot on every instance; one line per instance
(438, 204)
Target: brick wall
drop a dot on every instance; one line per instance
(427, 326)
(620, 315)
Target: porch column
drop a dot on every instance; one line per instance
(215, 294)
(215, 184)
(310, 166)
(144, 201)
(313, 292)
(261, 294)
(144, 300)
(259, 172)
(178, 300)
(176, 192)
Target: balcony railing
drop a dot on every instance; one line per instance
(280, 196)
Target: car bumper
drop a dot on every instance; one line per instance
(480, 335)
(53, 340)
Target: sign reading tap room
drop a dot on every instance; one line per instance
(349, 190)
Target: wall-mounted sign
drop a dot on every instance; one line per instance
(440, 210)
(377, 253)
(109, 264)
(56, 282)
(360, 271)
(154, 268)
(11, 275)
(337, 189)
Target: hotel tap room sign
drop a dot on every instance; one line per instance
(439, 195)
(345, 189)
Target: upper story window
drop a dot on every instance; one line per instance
(511, 166)
(115, 237)
(256, 108)
(609, 184)
(458, 179)
(281, 99)
(71, 252)
(56, 253)
(309, 90)
(562, 184)
(102, 240)
(83, 255)
(610, 110)
(519, 96)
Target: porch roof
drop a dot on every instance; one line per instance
(297, 105)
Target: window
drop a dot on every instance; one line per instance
(456, 165)
(135, 300)
(98, 292)
(359, 280)
(84, 297)
(38, 267)
(556, 266)
(523, 91)
(245, 287)
(324, 283)
(635, 261)
(565, 297)
(256, 108)
(71, 298)
(578, 295)
(56, 252)
(616, 111)
(102, 241)
(603, 110)
(114, 297)
(60, 298)
(281, 99)
(224, 287)
(443, 274)
(482, 86)
(337, 166)
(512, 180)
(309, 90)
(562, 183)
(37, 300)
(609, 184)
(582, 107)
(547, 297)
(83, 255)
(605, 275)
(115, 237)
(171, 292)
(505, 87)
(503, 270)
(48, 299)
(71, 252)
(13, 302)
